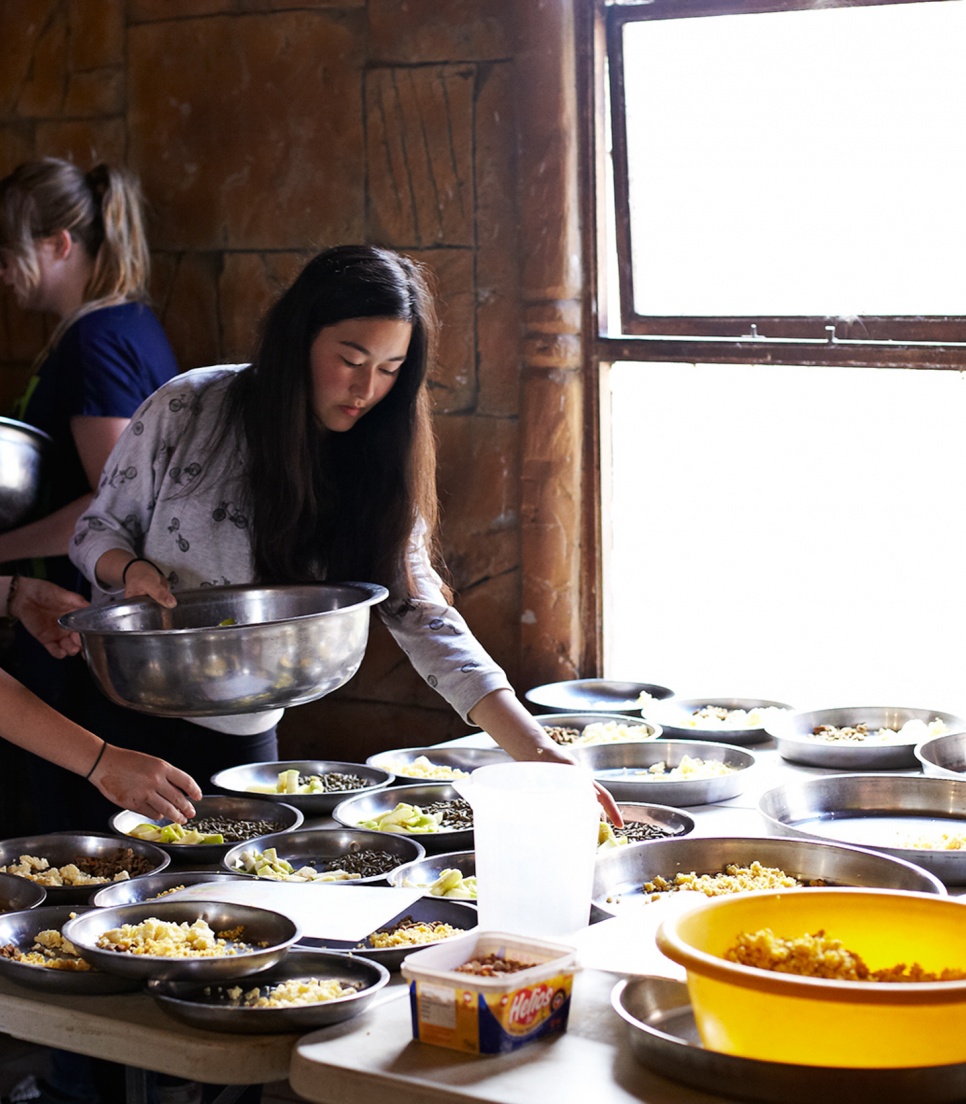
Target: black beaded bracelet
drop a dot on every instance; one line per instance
(131, 563)
(96, 761)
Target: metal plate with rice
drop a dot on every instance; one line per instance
(444, 763)
(797, 742)
(366, 807)
(745, 719)
(211, 1007)
(943, 756)
(241, 817)
(104, 849)
(626, 770)
(607, 728)
(321, 847)
(20, 929)
(620, 873)
(263, 780)
(890, 813)
(595, 695)
(663, 1036)
(425, 910)
(259, 939)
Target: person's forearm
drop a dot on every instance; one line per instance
(33, 725)
(49, 536)
(110, 568)
(502, 715)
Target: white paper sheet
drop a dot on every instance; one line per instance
(321, 911)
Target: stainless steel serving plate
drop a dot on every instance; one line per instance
(227, 650)
(449, 760)
(793, 734)
(62, 848)
(620, 872)
(209, 1007)
(594, 695)
(663, 1037)
(458, 914)
(663, 818)
(877, 811)
(677, 719)
(425, 871)
(317, 846)
(23, 453)
(17, 893)
(366, 806)
(622, 769)
(152, 886)
(215, 805)
(648, 729)
(21, 929)
(943, 756)
(264, 939)
(240, 780)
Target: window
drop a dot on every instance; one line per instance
(782, 335)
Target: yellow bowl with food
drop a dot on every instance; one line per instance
(822, 977)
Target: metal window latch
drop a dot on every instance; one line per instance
(754, 335)
(830, 334)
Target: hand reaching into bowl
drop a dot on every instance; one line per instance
(150, 786)
(136, 576)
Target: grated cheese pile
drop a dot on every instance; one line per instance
(293, 993)
(50, 949)
(689, 767)
(39, 870)
(735, 879)
(168, 940)
(423, 767)
(406, 935)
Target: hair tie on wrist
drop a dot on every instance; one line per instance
(130, 564)
(96, 761)
(11, 594)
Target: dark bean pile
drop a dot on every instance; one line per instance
(635, 831)
(562, 735)
(233, 830)
(366, 863)
(492, 965)
(456, 813)
(334, 780)
(111, 864)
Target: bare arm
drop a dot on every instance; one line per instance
(121, 568)
(502, 715)
(148, 785)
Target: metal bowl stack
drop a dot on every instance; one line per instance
(227, 650)
(23, 450)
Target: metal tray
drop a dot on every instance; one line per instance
(62, 848)
(21, 929)
(214, 805)
(365, 806)
(594, 695)
(618, 768)
(151, 886)
(18, 893)
(663, 1037)
(208, 1007)
(266, 935)
(674, 716)
(425, 871)
(875, 811)
(649, 730)
(317, 846)
(461, 914)
(399, 762)
(238, 780)
(792, 734)
(620, 872)
(943, 756)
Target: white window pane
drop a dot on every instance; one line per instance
(804, 162)
(796, 533)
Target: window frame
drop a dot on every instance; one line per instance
(911, 341)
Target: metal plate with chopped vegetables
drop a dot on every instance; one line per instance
(434, 814)
(313, 786)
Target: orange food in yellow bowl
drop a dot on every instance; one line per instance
(784, 1015)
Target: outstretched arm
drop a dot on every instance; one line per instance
(38, 604)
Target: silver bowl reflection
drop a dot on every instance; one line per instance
(153, 887)
(65, 848)
(317, 847)
(366, 807)
(210, 1007)
(446, 762)
(943, 756)
(17, 894)
(253, 810)
(261, 779)
(23, 451)
(423, 872)
(594, 695)
(21, 930)
(263, 938)
(227, 650)
(794, 734)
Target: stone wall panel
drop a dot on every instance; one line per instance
(437, 30)
(96, 35)
(85, 141)
(453, 383)
(248, 285)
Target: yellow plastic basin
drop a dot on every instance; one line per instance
(777, 1017)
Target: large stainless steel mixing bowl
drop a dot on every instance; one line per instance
(227, 650)
(22, 452)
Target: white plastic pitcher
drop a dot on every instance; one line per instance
(535, 836)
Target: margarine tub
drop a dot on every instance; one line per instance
(489, 992)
